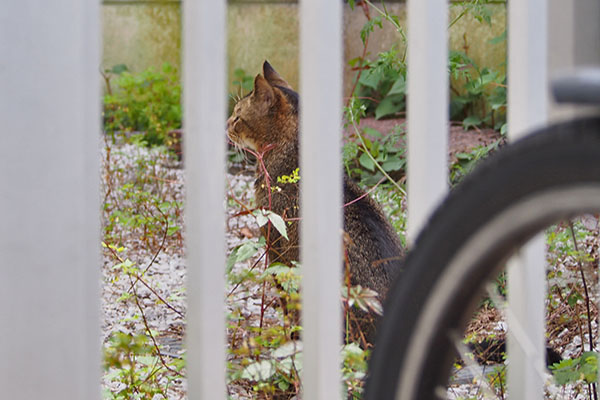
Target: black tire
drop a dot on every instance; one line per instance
(550, 175)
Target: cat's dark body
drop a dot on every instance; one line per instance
(266, 121)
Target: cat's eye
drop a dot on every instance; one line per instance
(234, 124)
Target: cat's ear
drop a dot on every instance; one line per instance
(263, 90)
(273, 77)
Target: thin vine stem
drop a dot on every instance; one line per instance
(587, 300)
(368, 153)
(385, 14)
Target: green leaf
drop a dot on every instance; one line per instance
(288, 349)
(369, 26)
(278, 268)
(278, 223)
(488, 76)
(125, 265)
(582, 368)
(498, 39)
(368, 143)
(289, 356)
(119, 69)
(390, 105)
(172, 230)
(261, 217)
(242, 253)
(371, 78)
(372, 132)
(471, 121)
(259, 371)
(356, 60)
(239, 73)
(288, 277)
(395, 164)
(352, 350)
(350, 151)
(366, 162)
(399, 87)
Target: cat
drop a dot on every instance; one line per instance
(266, 122)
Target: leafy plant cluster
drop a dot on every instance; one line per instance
(141, 212)
(478, 94)
(266, 353)
(466, 162)
(370, 156)
(382, 85)
(573, 256)
(478, 99)
(571, 312)
(142, 218)
(147, 103)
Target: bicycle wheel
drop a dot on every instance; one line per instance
(550, 175)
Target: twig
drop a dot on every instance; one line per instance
(158, 352)
(368, 153)
(366, 193)
(160, 248)
(587, 299)
(361, 67)
(166, 303)
(139, 278)
(385, 14)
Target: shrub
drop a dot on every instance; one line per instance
(148, 103)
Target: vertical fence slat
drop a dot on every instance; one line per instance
(527, 103)
(204, 124)
(321, 105)
(49, 235)
(427, 109)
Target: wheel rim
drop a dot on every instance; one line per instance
(515, 224)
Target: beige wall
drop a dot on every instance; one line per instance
(468, 35)
(258, 32)
(143, 33)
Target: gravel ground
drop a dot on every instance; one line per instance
(162, 293)
(165, 265)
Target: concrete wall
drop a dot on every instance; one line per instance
(468, 35)
(140, 33)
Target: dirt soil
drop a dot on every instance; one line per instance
(459, 140)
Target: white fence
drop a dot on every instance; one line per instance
(49, 198)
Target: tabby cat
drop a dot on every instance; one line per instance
(266, 122)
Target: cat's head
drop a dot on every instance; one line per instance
(267, 116)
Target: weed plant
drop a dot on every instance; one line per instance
(147, 104)
(478, 94)
(142, 220)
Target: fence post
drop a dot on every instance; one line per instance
(527, 104)
(204, 124)
(427, 109)
(49, 235)
(321, 198)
